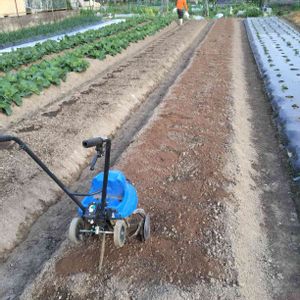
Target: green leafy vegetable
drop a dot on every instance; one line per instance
(32, 80)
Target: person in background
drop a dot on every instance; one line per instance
(180, 5)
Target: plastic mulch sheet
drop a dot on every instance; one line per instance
(276, 48)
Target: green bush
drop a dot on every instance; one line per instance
(284, 9)
(253, 12)
(250, 9)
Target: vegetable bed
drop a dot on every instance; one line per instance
(16, 85)
(31, 33)
(22, 56)
(276, 48)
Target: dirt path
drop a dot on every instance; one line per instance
(271, 233)
(209, 169)
(248, 239)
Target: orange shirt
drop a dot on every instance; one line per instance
(182, 4)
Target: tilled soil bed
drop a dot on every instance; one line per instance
(175, 165)
(55, 132)
(210, 172)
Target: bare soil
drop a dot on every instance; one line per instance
(175, 164)
(294, 17)
(99, 108)
(172, 166)
(244, 212)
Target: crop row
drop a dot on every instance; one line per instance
(276, 47)
(83, 19)
(22, 56)
(33, 79)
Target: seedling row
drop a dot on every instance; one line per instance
(23, 56)
(276, 47)
(26, 34)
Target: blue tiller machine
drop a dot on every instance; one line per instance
(110, 206)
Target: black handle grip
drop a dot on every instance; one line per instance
(92, 142)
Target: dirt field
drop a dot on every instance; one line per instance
(294, 17)
(103, 105)
(206, 163)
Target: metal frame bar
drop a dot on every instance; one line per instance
(98, 143)
(106, 172)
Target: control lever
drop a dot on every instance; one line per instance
(99, 149)
(92, 167)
